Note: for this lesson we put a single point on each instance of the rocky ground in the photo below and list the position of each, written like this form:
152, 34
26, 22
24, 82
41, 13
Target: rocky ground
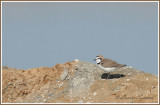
78, 82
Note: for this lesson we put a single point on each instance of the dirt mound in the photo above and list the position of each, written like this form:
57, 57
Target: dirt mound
18, 84
78, 82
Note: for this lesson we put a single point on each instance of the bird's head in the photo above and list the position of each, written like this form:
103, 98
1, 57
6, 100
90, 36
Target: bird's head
98, 59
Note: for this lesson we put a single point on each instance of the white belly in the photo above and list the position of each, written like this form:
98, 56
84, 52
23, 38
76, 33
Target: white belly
107, 69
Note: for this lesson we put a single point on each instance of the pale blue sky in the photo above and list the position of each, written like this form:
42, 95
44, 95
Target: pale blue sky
44, 34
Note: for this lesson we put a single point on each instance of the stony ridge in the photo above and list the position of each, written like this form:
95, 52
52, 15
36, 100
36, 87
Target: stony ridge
78, 82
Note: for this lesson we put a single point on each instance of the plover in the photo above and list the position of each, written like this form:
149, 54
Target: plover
107, 64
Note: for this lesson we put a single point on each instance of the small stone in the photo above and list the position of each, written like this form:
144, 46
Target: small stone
129, 73
75, 68
94, 93
153, 87
60, 84
76, 60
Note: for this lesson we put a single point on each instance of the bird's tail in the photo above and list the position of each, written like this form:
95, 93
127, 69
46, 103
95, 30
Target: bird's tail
122, 65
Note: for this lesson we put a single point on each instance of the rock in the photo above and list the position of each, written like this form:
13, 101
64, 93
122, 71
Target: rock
78, 82
76, 60
64, 74
5, 67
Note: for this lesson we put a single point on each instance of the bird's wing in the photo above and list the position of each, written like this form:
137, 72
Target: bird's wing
109, 63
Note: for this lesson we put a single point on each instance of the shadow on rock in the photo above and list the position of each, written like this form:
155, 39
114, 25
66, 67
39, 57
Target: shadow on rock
111, 76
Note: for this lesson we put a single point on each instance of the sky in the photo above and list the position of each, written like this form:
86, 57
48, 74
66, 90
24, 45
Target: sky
42, 34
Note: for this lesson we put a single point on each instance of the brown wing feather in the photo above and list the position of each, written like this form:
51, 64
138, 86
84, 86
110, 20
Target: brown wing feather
109, 63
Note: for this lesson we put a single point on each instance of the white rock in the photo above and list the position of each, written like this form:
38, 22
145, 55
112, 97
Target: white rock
76, 60
129, 73
60, 84
94, 93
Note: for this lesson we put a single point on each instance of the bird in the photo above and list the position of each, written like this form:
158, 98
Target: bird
107, 64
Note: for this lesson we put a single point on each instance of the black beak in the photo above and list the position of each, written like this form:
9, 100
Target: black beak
94, 59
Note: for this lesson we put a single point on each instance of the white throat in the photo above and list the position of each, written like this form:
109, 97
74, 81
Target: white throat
98, 60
